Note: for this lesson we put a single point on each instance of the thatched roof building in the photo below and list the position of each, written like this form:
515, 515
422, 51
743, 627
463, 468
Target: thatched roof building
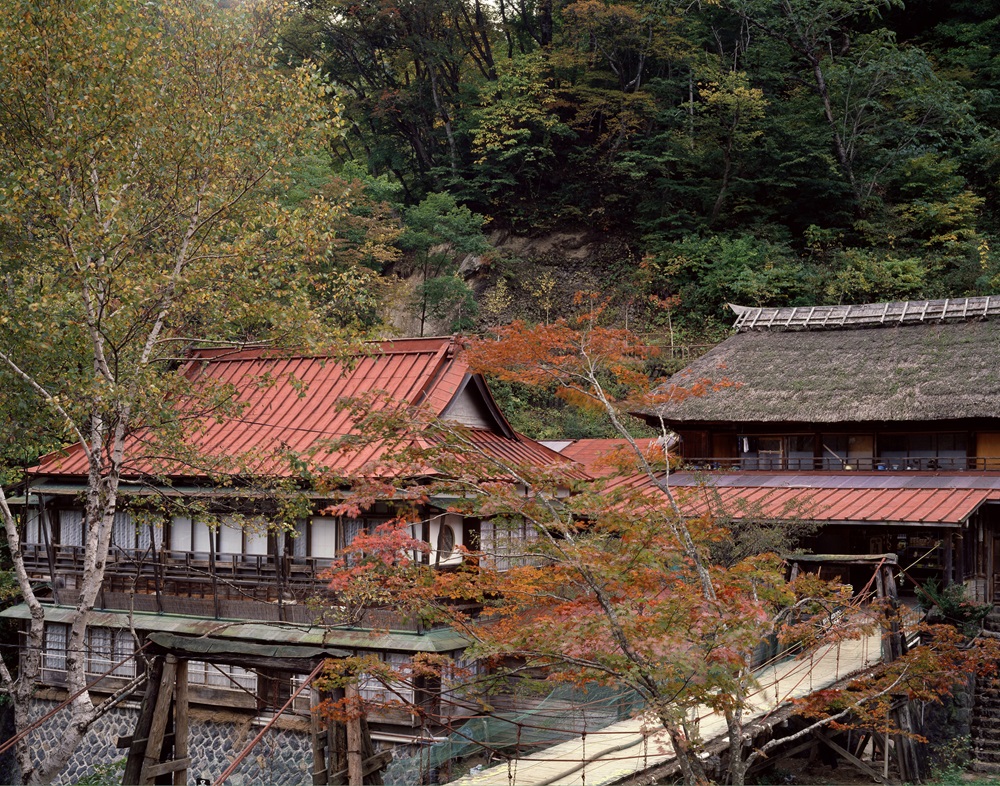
889, 362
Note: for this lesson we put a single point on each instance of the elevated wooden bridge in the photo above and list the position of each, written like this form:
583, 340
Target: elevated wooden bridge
639, 751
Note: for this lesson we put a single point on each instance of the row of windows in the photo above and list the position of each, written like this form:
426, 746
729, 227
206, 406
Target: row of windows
507, 541
860, 451
322, 537
112, 650
105, 648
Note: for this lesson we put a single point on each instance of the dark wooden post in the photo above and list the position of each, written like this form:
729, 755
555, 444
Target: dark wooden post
355, 776
320, 743
137, 748
948, 544
181, 722
161, 715
158, 566
896, 625
960, 568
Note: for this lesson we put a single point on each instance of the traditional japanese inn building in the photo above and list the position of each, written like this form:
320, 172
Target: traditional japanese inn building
881, 422
199, 553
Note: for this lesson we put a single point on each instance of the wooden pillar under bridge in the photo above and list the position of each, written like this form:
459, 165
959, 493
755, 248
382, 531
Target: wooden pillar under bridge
158, 756
137, 742
893, 639
354, 752
161, 716
329, 741
344, 753
158, 748
181, 722
948, 544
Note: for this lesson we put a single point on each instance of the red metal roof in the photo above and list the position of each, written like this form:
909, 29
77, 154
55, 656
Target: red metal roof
912, 506
289, 407
946, 505
601, 457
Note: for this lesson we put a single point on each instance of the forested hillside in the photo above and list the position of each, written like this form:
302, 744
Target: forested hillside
756, 151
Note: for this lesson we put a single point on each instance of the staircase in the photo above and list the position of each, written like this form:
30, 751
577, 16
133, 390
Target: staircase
986, 714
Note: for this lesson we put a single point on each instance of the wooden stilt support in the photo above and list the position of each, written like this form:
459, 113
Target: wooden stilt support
181, 722
161, 716
850, 757
355, 776
320, 746
137, 746
906, 750
373, 763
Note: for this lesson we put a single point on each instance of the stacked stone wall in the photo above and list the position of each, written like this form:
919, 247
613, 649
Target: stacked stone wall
284, 755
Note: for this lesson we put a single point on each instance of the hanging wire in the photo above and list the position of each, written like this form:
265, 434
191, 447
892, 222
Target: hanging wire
45, 718
246, 751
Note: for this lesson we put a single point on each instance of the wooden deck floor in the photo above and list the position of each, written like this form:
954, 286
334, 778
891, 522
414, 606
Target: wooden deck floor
627, 748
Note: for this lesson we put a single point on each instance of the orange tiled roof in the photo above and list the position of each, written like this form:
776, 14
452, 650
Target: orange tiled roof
289, 407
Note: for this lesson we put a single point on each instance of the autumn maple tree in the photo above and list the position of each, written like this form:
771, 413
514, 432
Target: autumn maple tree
607, 581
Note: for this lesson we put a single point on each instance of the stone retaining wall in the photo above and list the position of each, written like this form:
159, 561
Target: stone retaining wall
284, 755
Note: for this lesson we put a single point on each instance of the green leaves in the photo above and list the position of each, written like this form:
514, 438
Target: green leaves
143, 151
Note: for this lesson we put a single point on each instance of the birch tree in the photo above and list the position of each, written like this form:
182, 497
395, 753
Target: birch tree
143, 148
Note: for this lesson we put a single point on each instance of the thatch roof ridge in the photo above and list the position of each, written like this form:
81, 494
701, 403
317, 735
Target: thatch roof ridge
902, 312
922, 372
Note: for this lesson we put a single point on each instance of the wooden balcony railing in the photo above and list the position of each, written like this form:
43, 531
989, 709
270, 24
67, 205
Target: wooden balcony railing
231, 586
776, 463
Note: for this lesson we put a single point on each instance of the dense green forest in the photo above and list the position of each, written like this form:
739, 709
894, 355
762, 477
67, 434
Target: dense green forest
756, 151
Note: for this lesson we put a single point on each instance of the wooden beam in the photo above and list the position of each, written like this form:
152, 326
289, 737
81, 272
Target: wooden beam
133, 764
355, 776
850, 757
319, 744
181, 722
139, 743
368, 766
161, 715
165, 767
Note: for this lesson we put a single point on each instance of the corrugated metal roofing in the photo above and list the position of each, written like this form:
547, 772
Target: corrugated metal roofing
844, 480
218, 648
604, 457
291, 406
740, 496
437, 640
909, 506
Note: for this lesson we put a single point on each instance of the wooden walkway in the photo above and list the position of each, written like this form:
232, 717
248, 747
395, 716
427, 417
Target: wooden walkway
630, 747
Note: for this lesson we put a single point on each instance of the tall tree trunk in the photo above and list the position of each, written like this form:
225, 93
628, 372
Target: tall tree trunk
727, 169
846, 165
442, 111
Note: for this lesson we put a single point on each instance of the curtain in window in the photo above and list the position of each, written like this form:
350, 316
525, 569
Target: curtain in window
231, 535
100, 650
352, 528
180, 534
54, 652
324, 537
123, 531
71, 527
124, 647
300, 542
